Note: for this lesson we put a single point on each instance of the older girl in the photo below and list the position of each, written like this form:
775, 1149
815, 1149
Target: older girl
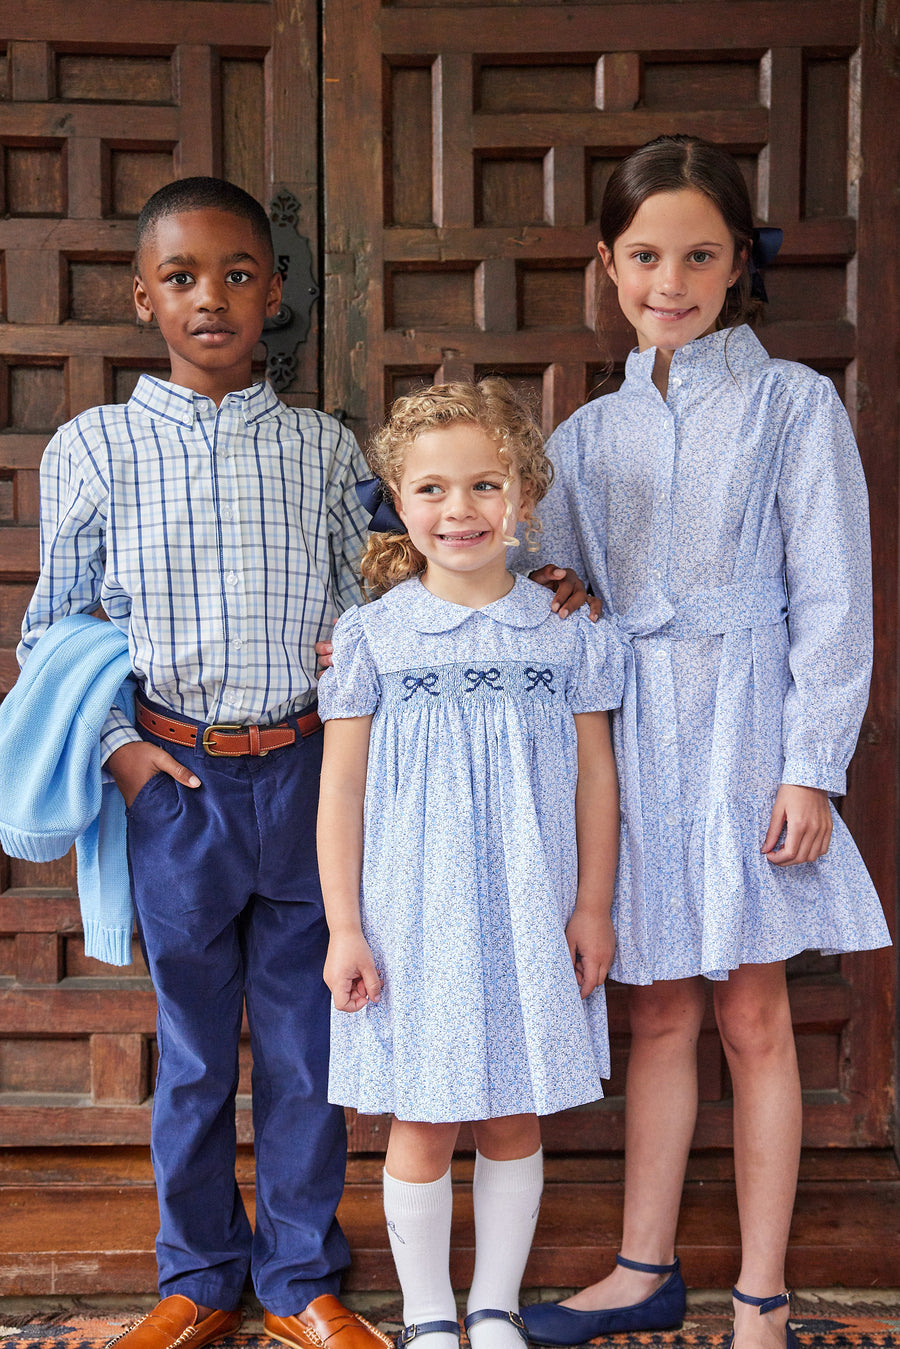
717, 505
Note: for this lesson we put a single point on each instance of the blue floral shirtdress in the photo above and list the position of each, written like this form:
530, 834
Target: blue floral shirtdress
470, 867
726, 529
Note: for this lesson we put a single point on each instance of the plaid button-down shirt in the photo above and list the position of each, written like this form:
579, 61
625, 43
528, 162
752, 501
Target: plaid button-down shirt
224, 541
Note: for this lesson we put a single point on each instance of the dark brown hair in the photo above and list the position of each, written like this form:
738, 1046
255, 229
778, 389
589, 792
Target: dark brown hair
670, 164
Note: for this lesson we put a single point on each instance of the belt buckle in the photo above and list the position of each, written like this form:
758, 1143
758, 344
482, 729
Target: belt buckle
214, 730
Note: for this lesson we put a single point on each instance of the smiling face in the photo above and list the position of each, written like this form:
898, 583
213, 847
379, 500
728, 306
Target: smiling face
207, 278
460, 502
672, 267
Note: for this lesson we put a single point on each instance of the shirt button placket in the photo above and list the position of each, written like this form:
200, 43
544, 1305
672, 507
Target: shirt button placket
229, 424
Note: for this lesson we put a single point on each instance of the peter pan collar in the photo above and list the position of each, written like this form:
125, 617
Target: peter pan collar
526, 606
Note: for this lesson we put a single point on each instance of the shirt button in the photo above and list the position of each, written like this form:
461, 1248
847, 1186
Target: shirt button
227, 513
677, 381
237, 643
231, 578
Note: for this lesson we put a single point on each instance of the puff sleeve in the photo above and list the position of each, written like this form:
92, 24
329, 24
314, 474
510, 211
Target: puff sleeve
599, 672
350, 687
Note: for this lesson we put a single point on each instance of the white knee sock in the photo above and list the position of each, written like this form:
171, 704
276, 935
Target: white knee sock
418, 1220
506, 1198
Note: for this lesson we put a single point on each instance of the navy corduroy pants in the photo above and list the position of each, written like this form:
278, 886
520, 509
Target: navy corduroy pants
230, 913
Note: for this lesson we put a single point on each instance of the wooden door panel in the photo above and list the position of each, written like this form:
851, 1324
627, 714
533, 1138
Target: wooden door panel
466, 151
100, 105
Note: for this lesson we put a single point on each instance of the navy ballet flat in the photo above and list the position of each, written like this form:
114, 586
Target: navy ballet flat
768, 1304
550, 1323
494, 1314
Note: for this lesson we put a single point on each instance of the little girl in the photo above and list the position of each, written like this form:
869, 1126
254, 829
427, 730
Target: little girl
717, 505
465, 730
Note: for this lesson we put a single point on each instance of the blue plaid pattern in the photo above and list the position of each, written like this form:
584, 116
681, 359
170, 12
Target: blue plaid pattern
224, 541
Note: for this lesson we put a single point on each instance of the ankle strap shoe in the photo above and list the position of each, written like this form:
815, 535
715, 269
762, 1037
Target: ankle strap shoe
409, 1333
494, 1314
768, 1304
552, 1324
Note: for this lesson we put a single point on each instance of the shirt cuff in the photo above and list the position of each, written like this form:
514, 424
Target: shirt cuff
117, 731
826, 777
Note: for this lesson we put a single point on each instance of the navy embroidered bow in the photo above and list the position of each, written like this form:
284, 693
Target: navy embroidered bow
426, 683
543, 677
475, 678
377, 500
766, 242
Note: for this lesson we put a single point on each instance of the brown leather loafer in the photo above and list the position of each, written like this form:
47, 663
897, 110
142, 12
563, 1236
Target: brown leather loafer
174, 1322
325, 1322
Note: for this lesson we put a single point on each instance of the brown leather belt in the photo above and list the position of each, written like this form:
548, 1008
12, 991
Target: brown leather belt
227, 739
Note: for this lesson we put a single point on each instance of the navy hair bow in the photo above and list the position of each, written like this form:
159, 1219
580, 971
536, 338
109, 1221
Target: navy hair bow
766, 242
377, 500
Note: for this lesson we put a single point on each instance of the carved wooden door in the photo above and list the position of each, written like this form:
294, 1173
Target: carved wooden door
466, 150
101, 104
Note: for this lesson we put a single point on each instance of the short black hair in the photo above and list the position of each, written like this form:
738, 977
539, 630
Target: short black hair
201, 194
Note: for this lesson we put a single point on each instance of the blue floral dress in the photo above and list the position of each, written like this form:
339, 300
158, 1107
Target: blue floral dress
470, 867
726, 529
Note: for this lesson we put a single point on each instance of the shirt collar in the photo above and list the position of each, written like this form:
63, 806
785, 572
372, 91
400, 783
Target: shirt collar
175, 403
728, 350
526, 606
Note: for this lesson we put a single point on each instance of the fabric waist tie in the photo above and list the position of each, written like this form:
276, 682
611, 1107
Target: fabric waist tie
756, 602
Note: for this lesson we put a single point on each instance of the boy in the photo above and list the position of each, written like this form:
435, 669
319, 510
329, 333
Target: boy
219, 530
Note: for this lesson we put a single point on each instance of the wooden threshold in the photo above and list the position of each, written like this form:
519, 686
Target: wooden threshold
79, 1221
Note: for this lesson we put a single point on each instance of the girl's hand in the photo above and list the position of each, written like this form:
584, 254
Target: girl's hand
350, 973
570, 591
805, 813
324, 652
592, 943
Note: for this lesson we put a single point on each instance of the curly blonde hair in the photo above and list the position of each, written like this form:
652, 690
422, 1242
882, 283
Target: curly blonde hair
492, 405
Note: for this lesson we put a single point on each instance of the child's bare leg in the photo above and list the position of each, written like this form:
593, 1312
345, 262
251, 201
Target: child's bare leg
506, 1196
660, 1113
419, 1152
754, 1019
418, 1208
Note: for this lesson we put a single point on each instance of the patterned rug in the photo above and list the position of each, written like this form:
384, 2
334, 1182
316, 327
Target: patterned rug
818, 1323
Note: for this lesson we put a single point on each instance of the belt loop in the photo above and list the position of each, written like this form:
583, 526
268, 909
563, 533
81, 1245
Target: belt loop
253, 732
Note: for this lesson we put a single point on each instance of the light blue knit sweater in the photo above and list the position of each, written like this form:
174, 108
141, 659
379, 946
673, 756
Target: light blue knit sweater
51, 789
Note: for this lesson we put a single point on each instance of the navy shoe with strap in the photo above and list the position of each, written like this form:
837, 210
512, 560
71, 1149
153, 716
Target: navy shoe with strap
494, 1314
409, 1333
768, 1304
550, 1323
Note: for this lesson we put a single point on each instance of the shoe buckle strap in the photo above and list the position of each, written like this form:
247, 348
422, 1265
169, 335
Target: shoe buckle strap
765, 1304
496, 1314
410, 1332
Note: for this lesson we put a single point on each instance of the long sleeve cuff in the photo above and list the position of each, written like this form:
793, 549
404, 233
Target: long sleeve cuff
117, 731
826, 777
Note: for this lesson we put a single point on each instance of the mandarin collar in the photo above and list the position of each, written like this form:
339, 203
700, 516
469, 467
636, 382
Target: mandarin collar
526, 606
175, 403
727, 350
